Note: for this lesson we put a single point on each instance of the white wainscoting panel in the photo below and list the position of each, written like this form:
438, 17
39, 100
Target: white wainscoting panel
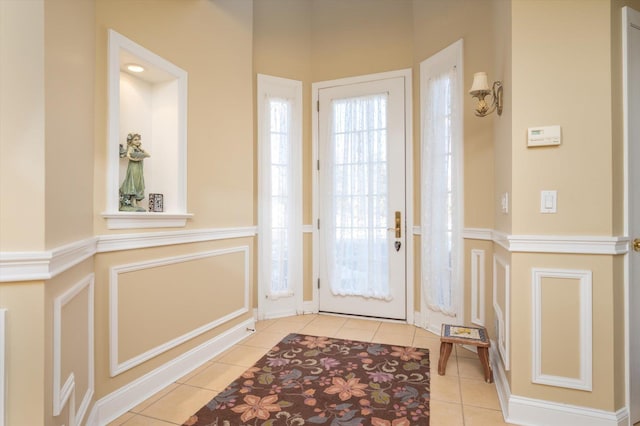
519, 410
584, 382
503, 318
477, 287
118, 402
117, 366
64, 393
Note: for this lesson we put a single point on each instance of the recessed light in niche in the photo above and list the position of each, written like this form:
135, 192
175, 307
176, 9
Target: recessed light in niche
135, 68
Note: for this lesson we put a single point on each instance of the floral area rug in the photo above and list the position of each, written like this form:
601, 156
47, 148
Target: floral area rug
308, 380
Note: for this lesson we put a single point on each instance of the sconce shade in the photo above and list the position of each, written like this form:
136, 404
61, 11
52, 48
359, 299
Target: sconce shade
480, 83
480, 89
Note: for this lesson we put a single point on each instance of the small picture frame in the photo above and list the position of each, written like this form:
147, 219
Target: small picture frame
156, 203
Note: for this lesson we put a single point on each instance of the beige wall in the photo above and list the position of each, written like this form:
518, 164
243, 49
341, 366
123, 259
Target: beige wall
548, 89
437, 24
212, 41
69, 56
546, 92
605, 384
222, 45
174, 287
22, 155
71, 293
24, 351
502, 125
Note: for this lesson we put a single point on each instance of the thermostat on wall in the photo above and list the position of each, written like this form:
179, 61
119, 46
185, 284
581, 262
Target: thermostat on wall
543, 136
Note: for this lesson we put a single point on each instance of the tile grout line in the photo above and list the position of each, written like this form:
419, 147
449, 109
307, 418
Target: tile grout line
460, 388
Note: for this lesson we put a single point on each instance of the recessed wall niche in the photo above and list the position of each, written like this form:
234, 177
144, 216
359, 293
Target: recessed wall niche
150, 101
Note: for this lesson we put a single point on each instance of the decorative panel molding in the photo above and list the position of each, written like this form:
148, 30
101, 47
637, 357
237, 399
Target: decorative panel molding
3, 380
113, 405
477, 287
116, 365
503, 318
584, 382
528, 411
64, 393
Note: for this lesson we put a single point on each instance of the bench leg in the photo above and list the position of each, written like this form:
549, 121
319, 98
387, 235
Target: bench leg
483, 354
445, 351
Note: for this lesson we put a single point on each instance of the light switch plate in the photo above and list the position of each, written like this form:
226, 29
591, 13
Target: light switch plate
548, 201
504, 202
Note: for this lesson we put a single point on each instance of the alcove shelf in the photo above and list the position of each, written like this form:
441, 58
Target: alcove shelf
152, 103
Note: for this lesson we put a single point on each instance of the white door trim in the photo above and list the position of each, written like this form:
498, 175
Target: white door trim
408, 225
630, 17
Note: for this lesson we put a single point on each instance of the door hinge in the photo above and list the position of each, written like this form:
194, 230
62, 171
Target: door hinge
318, 282
318, 164
318, 106
318, 223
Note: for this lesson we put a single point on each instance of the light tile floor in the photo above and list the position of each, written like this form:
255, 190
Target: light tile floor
460, 398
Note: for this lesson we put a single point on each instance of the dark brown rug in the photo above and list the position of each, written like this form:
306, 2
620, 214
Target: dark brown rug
309, 380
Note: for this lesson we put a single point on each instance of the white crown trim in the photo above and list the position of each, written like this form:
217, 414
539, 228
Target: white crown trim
584, 382
116, 366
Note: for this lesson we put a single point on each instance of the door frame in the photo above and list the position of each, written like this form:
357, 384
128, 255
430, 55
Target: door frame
629, 16
408, 219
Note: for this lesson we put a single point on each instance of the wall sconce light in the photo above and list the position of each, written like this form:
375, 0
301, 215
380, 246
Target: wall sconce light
480, 89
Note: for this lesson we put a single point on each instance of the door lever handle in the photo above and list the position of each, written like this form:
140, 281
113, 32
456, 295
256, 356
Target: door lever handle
636, 244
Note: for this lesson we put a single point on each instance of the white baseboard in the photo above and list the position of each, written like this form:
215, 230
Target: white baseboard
535, 412
309, 307
117, 403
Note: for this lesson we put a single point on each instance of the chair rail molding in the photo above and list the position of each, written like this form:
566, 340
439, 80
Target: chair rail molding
46, 264
528, 411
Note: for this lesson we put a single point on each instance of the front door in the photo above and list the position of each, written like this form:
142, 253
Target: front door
361, 187
632, 123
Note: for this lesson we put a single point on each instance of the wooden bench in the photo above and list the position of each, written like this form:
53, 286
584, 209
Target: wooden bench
473, 336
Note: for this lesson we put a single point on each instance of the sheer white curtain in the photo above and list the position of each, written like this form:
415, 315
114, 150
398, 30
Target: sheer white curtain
354, 199
440, 182
280, 209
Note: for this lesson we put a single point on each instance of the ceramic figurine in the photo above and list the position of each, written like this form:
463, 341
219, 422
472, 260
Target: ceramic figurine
132, 188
